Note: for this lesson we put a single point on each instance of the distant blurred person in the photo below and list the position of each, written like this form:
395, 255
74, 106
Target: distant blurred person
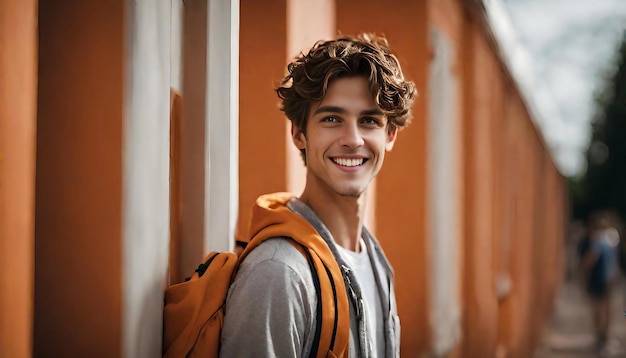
599, 268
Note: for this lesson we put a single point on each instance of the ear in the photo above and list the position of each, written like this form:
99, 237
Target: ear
391, 139
298, 137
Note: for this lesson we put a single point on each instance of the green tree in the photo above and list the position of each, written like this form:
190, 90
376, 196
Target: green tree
603, 187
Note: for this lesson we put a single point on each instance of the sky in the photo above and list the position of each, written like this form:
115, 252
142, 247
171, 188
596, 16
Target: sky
571, 46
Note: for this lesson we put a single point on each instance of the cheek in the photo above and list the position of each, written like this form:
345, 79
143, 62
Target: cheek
380, 144
320, 144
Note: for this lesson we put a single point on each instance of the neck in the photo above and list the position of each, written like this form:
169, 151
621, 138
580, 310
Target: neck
342, 215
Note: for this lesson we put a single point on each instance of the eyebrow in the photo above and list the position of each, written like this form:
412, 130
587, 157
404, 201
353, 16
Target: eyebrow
335, 109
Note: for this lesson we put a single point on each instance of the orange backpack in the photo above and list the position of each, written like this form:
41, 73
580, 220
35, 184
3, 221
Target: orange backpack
194, 310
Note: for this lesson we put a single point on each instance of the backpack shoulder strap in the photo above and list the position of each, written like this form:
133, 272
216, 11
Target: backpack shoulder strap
333, 311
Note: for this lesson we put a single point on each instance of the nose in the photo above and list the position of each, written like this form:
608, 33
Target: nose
351, 136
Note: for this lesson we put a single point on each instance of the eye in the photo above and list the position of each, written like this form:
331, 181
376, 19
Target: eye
330, 119
371, 121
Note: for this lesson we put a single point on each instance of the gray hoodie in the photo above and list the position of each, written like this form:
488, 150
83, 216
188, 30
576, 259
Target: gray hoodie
275, 300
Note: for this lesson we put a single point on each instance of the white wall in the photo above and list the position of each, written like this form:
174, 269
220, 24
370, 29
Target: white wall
222, 115
153, 64
145, 176
176, 43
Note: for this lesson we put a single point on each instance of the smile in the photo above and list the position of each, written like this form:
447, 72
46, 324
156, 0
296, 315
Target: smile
349, 162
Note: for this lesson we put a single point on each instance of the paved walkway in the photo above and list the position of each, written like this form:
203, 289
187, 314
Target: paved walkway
569, 333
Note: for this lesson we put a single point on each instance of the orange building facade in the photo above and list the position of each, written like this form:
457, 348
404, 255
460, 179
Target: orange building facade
124, 160
469, 206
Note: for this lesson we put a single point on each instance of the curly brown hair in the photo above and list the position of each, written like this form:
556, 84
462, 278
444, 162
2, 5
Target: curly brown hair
366, 55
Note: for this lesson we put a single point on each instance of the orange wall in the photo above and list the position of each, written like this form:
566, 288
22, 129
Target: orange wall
501, 208
480, 301
78, 269
523, 156
263, 49
400, 189
511, 202
492, 205
271, 35
18, 89
535, 230
307, 23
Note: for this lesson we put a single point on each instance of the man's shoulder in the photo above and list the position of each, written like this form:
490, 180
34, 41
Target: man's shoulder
270, 307
276, 254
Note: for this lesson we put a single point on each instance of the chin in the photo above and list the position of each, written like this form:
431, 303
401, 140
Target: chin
350, 192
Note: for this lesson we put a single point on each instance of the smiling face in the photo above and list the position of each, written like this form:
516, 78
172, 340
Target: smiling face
346, 139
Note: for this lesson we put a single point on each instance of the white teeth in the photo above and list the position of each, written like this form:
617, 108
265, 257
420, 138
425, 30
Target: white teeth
348, 162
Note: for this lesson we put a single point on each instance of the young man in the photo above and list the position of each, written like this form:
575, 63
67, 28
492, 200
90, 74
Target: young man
346, 99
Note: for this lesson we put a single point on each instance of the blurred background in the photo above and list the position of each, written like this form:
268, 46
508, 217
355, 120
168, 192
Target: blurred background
136, 135
578, 50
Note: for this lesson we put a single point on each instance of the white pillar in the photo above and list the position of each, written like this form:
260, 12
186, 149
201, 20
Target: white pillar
176, 44
222, 183
145, 210
443, 197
